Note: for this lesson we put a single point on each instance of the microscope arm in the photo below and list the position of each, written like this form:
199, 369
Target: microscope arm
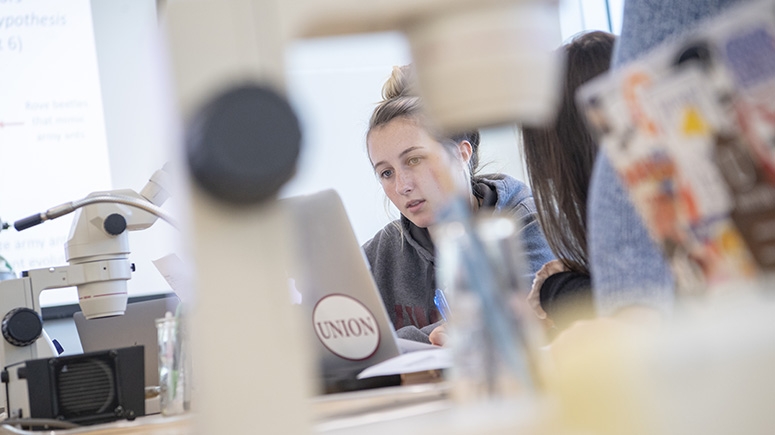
150, 199
69, 207
75, 275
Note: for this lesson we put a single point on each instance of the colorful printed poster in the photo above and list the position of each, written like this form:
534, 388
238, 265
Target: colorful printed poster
690, 128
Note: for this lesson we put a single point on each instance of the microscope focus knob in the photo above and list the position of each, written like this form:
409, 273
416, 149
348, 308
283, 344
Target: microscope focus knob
114, 224
22, 326
243, 145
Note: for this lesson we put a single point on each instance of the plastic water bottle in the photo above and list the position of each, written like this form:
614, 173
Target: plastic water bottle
479, 266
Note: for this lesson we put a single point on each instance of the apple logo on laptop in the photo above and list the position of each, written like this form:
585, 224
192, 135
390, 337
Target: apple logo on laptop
346, 327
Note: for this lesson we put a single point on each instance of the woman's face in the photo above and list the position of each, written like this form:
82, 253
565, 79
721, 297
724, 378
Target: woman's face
417, 173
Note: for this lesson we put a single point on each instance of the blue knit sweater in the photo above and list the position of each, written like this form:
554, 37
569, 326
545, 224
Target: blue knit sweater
627, 266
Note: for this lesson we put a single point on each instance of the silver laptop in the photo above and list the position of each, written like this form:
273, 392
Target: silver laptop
348, 325
136, 327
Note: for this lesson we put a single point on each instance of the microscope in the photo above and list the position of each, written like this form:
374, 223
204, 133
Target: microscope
97, 251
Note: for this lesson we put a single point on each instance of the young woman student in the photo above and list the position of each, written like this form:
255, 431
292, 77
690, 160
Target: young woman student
413, 165
559, 161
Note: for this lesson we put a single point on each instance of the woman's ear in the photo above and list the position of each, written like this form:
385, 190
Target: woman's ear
466, 150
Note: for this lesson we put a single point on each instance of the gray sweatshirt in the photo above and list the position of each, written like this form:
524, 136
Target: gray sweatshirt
404, 269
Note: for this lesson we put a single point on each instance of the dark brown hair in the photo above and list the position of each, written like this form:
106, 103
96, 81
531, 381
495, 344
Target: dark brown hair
560, 157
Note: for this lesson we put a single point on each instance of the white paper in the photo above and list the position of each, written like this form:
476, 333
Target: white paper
176, 273
419, 361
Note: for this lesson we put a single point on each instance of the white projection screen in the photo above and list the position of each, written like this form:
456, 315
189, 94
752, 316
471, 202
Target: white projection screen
81, 110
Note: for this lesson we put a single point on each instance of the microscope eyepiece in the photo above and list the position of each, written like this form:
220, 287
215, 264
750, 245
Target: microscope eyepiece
28, 222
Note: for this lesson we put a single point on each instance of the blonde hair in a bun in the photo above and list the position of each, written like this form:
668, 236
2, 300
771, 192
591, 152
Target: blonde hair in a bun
401, 99
400, 83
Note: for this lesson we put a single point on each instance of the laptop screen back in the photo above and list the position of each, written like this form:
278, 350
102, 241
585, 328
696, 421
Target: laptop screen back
136, 327
346, 319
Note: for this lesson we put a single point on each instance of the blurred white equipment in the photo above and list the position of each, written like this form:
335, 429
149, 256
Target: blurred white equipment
97, 250
479, 62
228, 74
496, 67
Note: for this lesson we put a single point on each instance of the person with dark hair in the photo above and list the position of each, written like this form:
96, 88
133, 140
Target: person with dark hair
420, 171
559, 161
